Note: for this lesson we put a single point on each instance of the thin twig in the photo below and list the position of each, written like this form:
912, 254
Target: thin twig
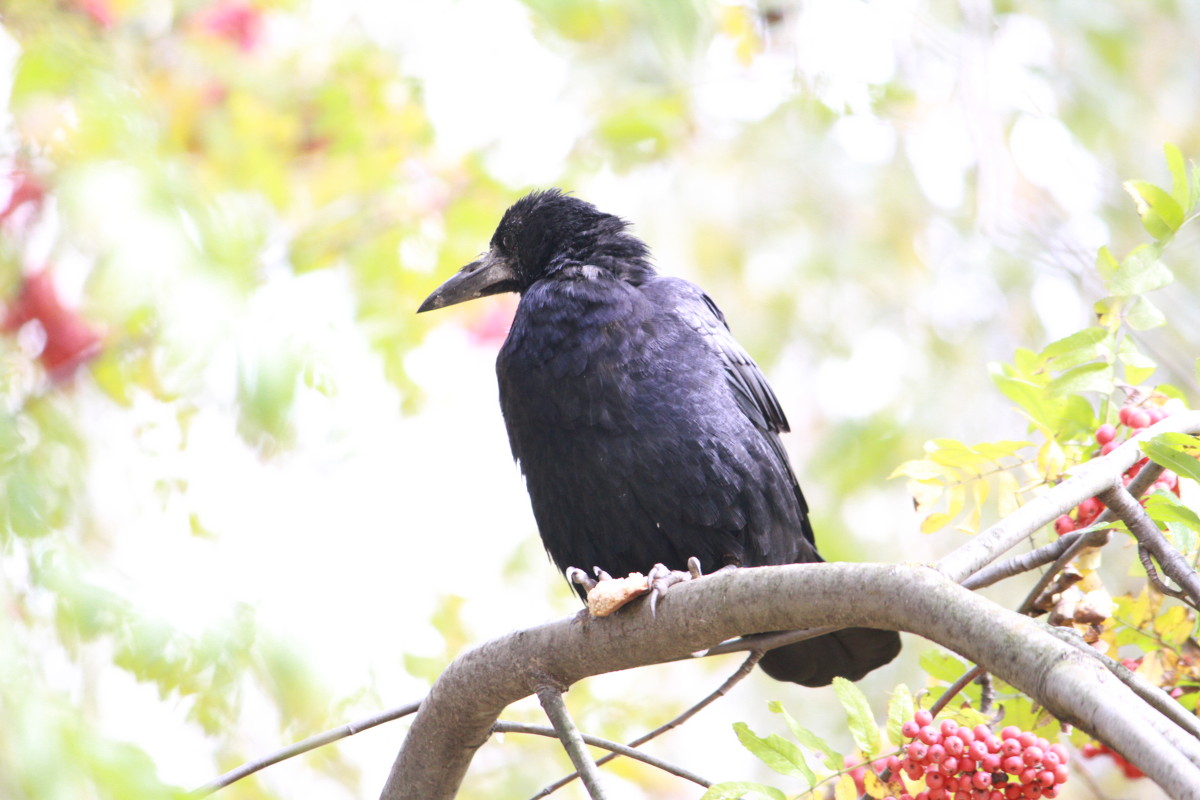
1075, 548
552, 702
1033, 559
605, 744
311, 743
987, 693
955, 688
768, 641
1152, 574
1173, 564
733, 680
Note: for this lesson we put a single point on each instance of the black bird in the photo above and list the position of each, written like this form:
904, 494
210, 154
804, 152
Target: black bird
646, 433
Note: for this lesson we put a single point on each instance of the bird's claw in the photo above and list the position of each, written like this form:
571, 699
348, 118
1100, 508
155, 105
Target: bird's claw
662, 578
576, 575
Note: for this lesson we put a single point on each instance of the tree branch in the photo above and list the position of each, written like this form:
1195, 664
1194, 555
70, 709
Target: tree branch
551, 698
722, 690
616, 748
457, 716
1089, 480
1150, 538
311, 743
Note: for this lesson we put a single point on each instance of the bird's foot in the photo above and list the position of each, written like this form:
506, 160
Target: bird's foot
606, 594
662, 578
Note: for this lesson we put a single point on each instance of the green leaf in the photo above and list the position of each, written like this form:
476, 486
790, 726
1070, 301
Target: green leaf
942, 665
1161, 214
1165, 507
776, 752
1181, 188
1095, 376
862, 721
1168, 449
1138, 367
1075, 349
832, 758
1106, 264
734, 790
1140, 272
1142, 315
900, 709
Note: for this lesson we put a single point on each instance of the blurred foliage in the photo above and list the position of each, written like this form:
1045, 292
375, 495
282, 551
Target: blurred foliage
870, 190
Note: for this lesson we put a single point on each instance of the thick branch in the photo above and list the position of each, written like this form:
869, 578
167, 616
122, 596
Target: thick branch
457, 716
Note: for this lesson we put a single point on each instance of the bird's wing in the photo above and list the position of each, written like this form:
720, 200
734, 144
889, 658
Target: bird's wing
753, 393
751, 390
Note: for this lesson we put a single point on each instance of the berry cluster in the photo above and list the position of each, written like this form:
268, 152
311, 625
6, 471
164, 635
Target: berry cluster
1134, 417
962, 763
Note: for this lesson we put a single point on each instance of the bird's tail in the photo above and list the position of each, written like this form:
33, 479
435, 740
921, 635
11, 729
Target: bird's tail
849, 653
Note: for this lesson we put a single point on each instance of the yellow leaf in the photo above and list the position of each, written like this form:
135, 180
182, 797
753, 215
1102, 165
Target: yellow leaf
926, 493
1008, 497
920, 469
935, 522
1051, 459
844, 788
1174, 625
875, 787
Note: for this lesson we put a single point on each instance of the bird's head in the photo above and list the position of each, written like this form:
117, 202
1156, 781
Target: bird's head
540, 234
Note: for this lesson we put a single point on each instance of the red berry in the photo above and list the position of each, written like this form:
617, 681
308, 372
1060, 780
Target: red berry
1010, 746
949, 765
1107, 448
978, 750
1124, 413
1012, 764
949, 727
954, 745
1157, 413
1060, 773
1027, 738
1032, 755
893, 763
910, 729
935, 780
1046, 777
1105, 434
917, 751
1050, 758
990, 763
1139, 418
1049, 791
936, 753
1064, 755
923, 717
929, 735
966, 734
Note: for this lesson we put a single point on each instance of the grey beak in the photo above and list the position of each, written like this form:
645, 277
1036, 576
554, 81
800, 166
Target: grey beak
489, 274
